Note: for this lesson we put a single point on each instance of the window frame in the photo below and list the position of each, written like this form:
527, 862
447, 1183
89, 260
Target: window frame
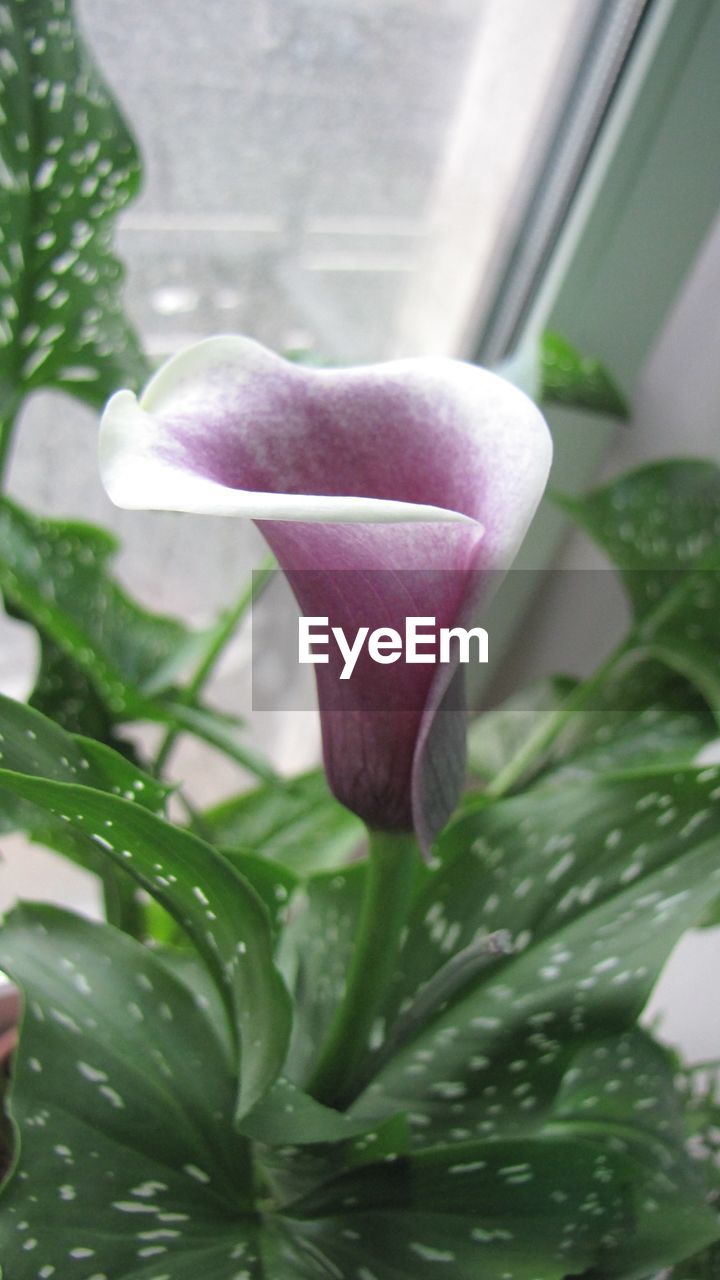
631, 218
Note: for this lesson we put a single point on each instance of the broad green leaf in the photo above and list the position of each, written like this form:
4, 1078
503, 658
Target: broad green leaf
567, 378
661, 526
320, 1143
470, 1210
642, 715
32, 744
701, 1087
622, 1092
129, 1161
594, 881
197, 886
297, 822
273, 883
645, 717
287, 1116
314, 955
703, 1266
652, 522
605, 1186
104, 658
65, 694
67, 166
551, 371
55, 573
601, 1184
123, 1096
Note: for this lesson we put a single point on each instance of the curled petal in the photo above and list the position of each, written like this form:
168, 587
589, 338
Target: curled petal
385, 491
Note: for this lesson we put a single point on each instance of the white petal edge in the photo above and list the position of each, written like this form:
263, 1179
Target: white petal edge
136, 477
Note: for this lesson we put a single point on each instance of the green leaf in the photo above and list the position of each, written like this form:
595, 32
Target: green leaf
476, 1209
68, 165
128, 1158
704, 1266
646, 718
273, 883
495, 736
314, 955
701, 1087
197, 886
596, 1180
104, 658
605, 1186
661, 526
652, 522
65, 694
567, 378
642, 717
298, 823
32, 744
123, 1097
622, 1092
55, 573
594, 881
287, 1116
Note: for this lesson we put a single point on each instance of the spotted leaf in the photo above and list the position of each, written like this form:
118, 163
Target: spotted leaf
32, 744
129, 1166
661, 526
593, 882
123, 1099
477, 1209
104, 658
314, 955
55, 573
197, 886
645, 717
604, 1188
68, 165
576, 381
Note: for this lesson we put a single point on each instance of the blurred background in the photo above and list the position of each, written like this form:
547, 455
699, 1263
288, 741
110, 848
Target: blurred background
364, 179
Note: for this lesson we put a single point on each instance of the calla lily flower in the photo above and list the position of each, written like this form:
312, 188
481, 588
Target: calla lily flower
387, 491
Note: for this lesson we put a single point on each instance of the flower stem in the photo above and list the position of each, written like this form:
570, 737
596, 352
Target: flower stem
223, 633
550, 727
393, 864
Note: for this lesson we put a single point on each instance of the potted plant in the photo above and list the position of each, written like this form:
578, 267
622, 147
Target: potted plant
384, 1021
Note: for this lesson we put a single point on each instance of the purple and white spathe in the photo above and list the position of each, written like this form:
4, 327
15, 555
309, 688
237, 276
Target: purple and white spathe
426, 465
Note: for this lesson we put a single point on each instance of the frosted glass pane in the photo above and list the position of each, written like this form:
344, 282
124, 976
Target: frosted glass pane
325, 173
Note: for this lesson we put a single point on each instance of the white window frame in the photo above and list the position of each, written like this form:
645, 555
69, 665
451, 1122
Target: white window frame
640, 215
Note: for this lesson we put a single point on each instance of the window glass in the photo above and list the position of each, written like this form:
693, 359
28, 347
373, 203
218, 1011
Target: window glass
330, 174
